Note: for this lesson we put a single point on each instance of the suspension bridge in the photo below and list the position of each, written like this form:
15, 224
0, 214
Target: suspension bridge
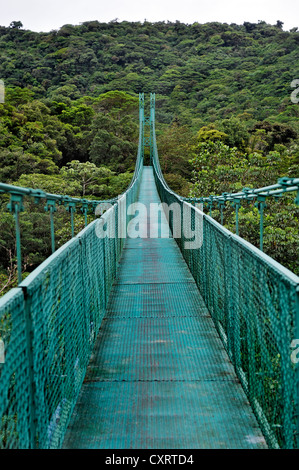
145, 332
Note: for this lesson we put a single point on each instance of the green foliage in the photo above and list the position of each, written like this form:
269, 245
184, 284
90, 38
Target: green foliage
218, 168
55, 184
216, 70
114, 141
174, 149
119, 183
224, 116
236, 132
15, 163
118, 103
209, 133
90, 177
177, 183
39, 139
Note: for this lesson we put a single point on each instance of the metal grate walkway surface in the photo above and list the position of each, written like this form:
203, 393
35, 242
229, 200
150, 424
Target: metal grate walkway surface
159, 376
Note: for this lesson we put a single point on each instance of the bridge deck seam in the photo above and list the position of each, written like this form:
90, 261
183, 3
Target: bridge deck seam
91, 381
133, 283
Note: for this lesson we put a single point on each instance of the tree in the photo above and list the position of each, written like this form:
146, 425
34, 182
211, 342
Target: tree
273, 134
174, 146
15, 163
80, 115
55, 184
18, 95
118, 103
114, 141
217, 168
87, 175
235, 131
16, 25
210, 134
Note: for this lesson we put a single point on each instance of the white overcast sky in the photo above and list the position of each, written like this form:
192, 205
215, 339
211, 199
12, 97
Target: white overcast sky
46, 15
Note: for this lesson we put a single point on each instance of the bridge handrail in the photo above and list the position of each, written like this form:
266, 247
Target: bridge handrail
283, 185
40, 194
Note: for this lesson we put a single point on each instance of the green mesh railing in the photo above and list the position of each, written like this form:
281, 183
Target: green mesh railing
254, 302
15, 380
48, 326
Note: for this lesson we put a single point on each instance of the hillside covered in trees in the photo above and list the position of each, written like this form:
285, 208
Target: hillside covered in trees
225, 118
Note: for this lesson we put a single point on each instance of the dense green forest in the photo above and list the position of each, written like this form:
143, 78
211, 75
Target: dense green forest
225, 119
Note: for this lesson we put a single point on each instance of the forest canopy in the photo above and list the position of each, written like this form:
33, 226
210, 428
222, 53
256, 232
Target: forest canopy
224, 118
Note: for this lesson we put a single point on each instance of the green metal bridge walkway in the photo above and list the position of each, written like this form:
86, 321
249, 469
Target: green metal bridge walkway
153, 327
159, 376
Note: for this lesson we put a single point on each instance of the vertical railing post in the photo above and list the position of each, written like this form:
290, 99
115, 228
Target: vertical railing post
237, 206
50, 206
210, 204
221, 206
52, 210
94, 207
261, 204
72, 220
15, 206
236, 203
18, 242
72, 209
141, 122
84, 210
152, 125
